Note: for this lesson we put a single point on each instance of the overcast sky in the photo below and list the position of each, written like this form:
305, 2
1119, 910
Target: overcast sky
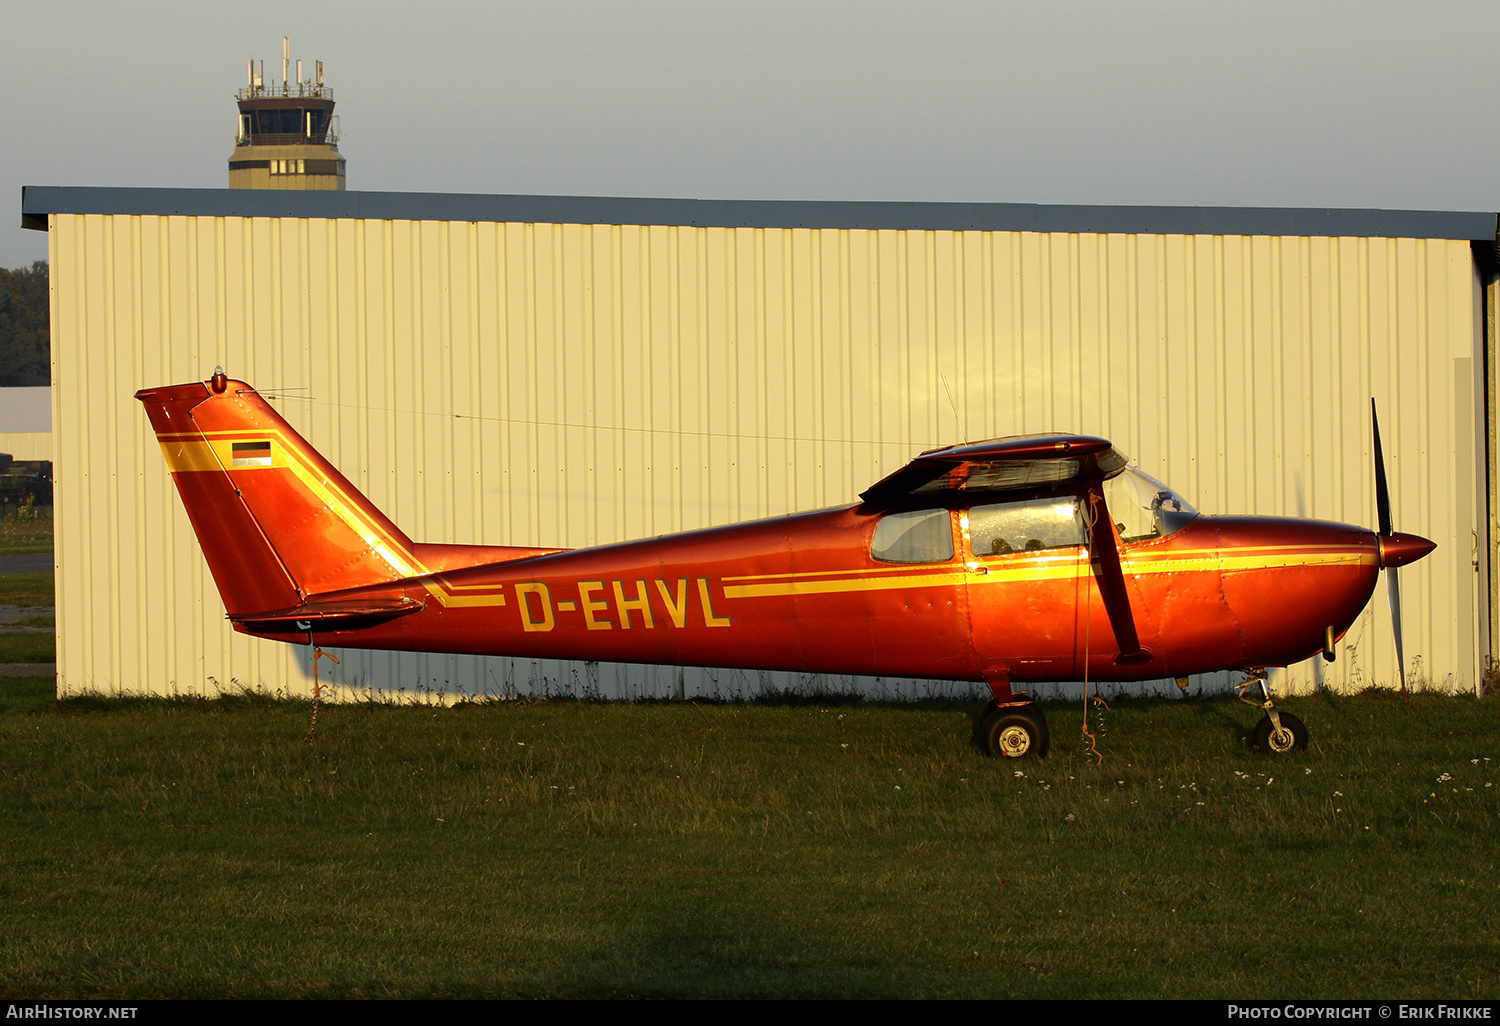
1261, 104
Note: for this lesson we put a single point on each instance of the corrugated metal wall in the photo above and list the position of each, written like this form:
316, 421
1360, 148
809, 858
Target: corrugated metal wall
569, 385
27, 445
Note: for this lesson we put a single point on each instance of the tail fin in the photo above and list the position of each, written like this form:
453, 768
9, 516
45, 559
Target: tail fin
276, 521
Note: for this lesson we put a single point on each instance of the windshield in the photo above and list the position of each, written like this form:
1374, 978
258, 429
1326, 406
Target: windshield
1143, 507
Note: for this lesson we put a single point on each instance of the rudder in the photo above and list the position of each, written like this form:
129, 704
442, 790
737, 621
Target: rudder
276, 521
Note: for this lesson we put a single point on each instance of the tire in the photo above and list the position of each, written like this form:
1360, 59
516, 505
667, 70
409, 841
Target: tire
1014, 732
1291, 737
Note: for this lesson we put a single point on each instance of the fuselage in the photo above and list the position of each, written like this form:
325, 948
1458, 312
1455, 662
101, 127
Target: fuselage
1032, 558
807, 593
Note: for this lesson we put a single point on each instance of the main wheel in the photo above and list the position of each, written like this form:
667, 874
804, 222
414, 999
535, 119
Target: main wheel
1291, 736
1014, 732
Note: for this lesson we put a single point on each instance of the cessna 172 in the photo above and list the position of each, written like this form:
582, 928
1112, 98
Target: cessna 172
1040, 558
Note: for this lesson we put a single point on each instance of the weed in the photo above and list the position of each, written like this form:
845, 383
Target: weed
1489, 680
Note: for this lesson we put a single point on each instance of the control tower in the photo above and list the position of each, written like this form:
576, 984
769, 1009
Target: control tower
287, 138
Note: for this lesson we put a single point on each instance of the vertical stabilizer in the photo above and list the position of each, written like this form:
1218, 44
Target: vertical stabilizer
276, 521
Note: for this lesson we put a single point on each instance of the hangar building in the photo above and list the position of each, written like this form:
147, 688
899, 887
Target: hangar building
555, 371
26, 422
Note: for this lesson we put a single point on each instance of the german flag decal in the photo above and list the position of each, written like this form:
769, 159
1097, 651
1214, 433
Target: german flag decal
252, 454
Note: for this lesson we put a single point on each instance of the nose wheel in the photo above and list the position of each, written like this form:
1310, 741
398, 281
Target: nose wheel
1287, 736
1278, 732
1014, 732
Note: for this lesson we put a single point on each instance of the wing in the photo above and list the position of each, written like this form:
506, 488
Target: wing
1001, 466
1018, 466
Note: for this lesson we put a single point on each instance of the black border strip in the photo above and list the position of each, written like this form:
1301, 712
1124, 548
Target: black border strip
39, 201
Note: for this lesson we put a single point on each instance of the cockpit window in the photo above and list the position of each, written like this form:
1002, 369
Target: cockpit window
1143, 507
1004, 527
922, 536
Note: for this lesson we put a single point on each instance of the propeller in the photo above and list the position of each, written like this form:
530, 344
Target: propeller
1394, 549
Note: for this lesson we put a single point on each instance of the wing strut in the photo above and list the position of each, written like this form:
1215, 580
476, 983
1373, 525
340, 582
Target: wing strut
1105, 556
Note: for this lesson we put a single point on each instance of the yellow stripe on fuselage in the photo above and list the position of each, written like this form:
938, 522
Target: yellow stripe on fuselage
1250, 561
447, 594
1038, 568
827, 587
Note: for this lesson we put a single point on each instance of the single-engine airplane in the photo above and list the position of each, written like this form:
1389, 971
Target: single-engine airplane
1037, 558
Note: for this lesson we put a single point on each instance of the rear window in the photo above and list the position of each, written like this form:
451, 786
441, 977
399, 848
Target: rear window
923, 536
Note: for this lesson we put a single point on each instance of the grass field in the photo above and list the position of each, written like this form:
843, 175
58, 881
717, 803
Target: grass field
31, 646
28, 534
28, 647
26, 589
203, 848
46, 620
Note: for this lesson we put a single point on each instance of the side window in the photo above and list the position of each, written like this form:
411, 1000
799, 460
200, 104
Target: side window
1005, 527
924, 536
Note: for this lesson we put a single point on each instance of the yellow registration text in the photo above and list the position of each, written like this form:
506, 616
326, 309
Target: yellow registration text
618, 604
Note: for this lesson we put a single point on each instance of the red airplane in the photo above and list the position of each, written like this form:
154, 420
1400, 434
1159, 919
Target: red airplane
1038, 558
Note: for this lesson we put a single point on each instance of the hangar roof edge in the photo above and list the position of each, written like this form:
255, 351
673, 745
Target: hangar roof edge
39, 201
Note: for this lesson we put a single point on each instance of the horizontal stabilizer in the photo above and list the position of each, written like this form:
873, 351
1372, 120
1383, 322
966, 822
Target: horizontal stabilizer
326, 616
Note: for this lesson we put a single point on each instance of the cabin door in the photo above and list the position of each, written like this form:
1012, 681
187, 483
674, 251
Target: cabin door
1026, 567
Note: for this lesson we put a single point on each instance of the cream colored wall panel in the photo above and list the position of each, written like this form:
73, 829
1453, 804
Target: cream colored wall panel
27, 445
572, 385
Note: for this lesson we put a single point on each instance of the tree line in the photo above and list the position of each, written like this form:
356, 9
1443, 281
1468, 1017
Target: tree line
25, 326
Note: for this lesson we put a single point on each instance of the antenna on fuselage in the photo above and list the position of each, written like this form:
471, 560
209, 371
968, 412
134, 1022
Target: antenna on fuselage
958, 422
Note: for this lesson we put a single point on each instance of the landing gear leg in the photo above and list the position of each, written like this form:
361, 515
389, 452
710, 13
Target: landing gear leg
1278, 731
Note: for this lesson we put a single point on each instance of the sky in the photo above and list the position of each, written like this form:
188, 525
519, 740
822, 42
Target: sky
1297, 104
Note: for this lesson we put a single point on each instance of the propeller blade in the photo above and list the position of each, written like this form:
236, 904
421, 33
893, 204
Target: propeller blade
1395, 549
1393, 591
1382, 493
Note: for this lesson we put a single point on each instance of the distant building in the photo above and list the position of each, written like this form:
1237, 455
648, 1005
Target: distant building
26, 422
287, 138
25, 447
